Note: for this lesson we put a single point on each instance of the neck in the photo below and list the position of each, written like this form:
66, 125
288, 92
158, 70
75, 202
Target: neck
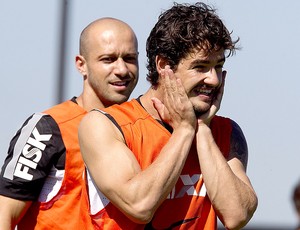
148, 104
88, 104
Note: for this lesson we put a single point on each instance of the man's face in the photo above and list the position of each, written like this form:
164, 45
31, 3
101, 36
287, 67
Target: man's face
112, 66
201, 76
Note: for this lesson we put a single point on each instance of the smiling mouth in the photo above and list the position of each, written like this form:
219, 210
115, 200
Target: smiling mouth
121, 83
204, 91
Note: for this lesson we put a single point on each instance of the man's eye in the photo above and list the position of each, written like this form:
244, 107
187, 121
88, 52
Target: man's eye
199, 67
130, 59
108, 59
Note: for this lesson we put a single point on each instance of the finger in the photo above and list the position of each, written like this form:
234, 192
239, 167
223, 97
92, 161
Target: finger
216, 103
170, 87
181, 89
224, 73
222, 87
161, 109
176, 90
170, 81
158, 105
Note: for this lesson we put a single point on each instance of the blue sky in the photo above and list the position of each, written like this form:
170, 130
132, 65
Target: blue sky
261, 91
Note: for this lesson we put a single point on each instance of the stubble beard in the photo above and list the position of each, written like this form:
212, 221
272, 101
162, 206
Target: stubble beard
200, 110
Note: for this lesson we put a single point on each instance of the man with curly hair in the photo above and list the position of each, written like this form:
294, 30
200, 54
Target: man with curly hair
165, 160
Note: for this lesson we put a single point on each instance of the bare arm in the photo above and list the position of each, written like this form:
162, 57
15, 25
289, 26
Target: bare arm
115, 169
227, 184
11, 212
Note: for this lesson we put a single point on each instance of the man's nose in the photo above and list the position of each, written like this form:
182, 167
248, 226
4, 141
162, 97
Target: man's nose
121, 67
212, 77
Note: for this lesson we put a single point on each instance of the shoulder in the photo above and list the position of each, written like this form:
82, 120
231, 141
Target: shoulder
39, 131
94, 122
30, 157
127, 110
98, 126
41, 121
238, 144
227, 123
66, 111
237, 134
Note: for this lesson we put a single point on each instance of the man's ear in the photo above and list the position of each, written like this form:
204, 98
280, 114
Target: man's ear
80, 63
160, 63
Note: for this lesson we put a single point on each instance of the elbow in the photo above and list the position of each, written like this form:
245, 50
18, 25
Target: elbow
141, 213
236, 223
240, 218
141, 218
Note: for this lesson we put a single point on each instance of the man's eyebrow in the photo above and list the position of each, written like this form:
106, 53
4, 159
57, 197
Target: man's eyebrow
132, 54
113, 54
206, 62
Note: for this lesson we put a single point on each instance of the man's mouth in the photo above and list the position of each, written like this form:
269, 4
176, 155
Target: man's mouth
121, 83
204, 91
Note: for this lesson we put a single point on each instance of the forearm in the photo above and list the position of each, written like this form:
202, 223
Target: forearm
5, 221
11, 212
229, 190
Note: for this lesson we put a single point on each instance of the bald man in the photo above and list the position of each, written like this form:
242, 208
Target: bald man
41, 178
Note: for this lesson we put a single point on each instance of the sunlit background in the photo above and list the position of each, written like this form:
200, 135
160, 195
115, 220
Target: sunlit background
261, 88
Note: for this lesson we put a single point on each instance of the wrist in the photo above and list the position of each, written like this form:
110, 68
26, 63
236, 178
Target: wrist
203, 128
186, 130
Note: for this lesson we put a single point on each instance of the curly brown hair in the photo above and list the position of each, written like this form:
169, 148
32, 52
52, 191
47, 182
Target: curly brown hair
181, 29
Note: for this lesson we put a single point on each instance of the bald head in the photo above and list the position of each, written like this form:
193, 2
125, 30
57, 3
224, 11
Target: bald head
103, 27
